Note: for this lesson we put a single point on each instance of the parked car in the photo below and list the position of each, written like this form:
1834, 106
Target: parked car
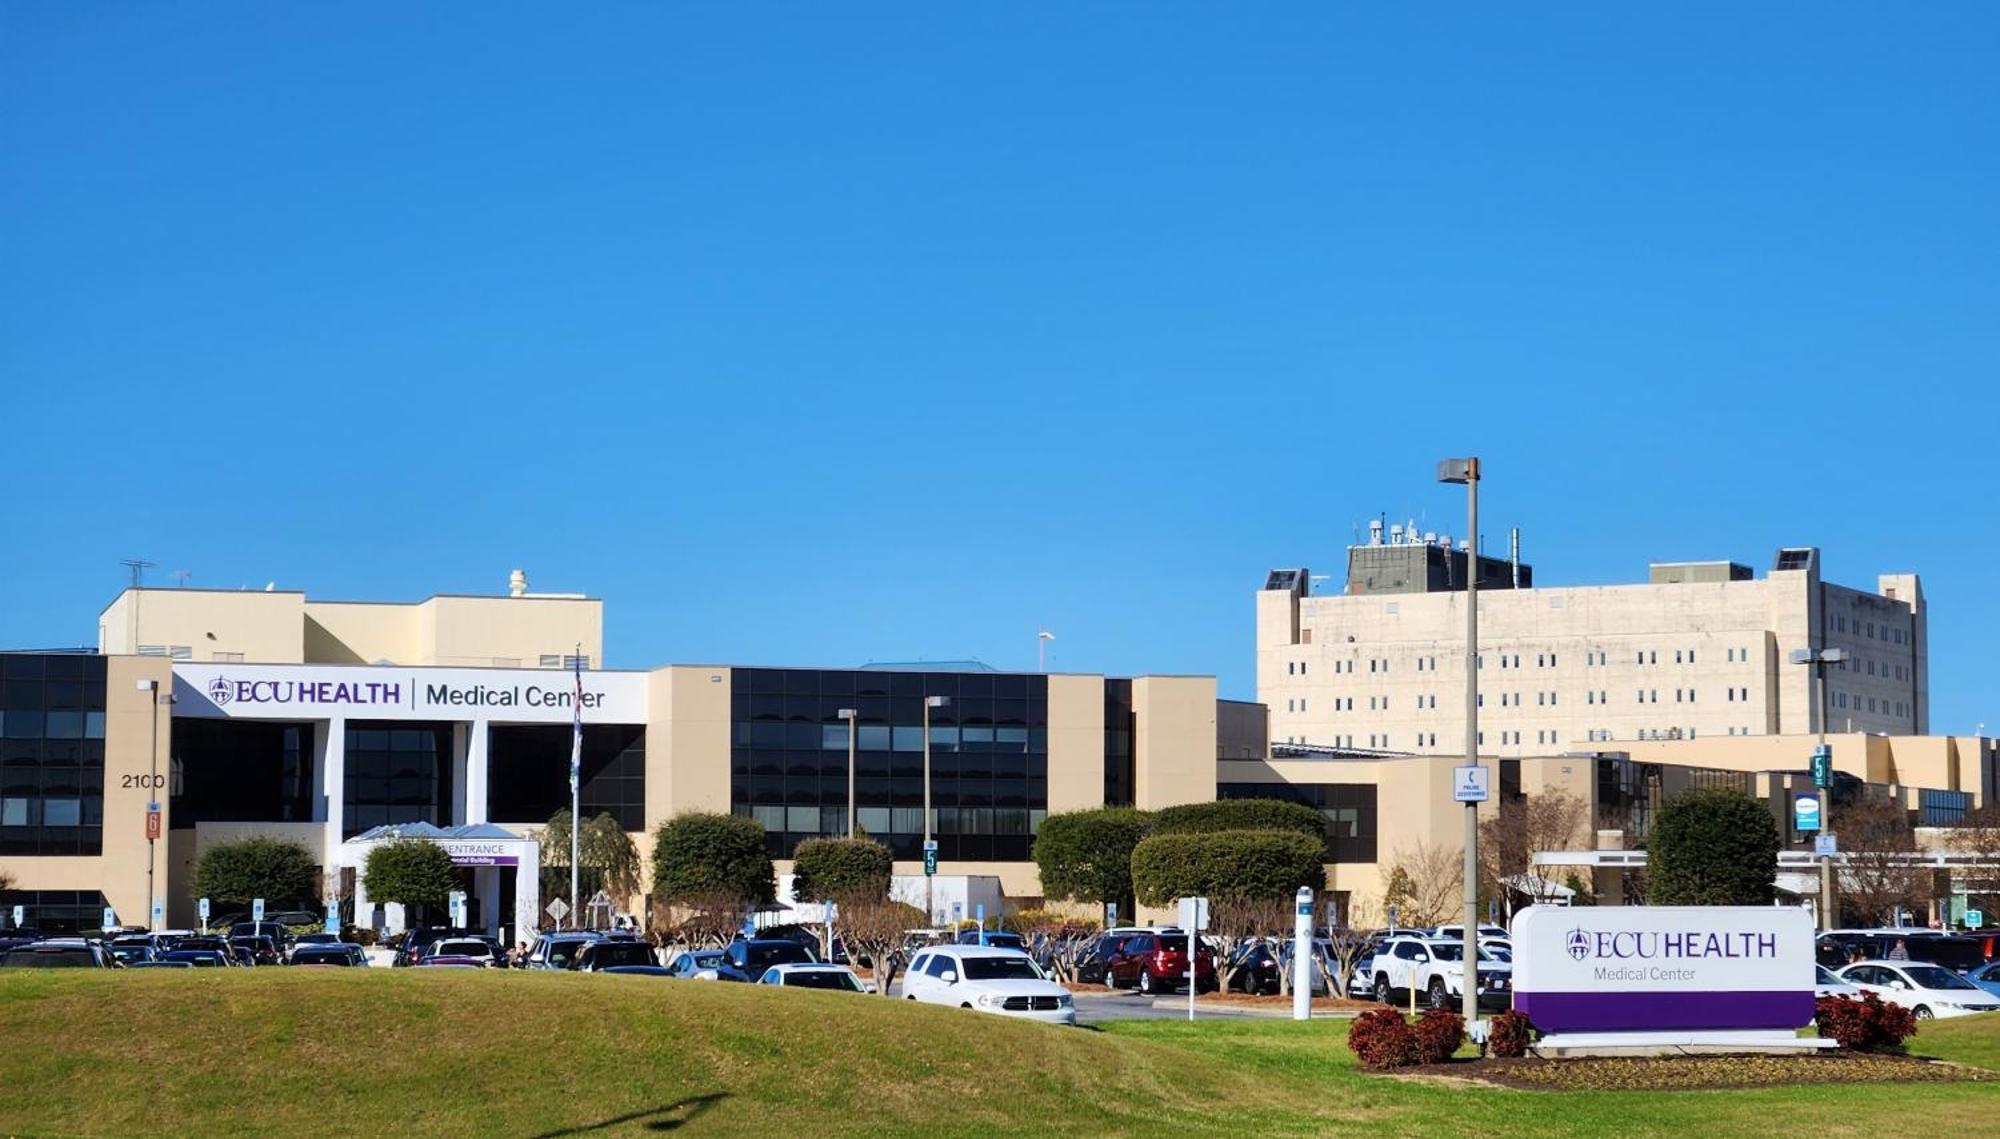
281, 937
476, 948
555, 950
1002, 981
197, 958
1096, 955
58, 953
639, 970
338, 954
131, 950
1838, 948
1986, 978
305, 939
836, 977
747, 960
1158, 963
1925, 989
1487, 933
452, 961
1253, 968
415, 941
1828, 984
1405, 965
263, 948
698, 965
601, 955
160, 965
999, 938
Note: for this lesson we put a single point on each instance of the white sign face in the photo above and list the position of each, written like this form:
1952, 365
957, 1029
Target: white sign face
1194, 913
386, 692
1468, 784
558, 909
1649, 968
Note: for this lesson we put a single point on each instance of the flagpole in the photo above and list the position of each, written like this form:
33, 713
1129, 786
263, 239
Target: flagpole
575, 777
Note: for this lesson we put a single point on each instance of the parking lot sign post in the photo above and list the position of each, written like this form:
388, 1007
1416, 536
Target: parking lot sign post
159, 917
930, 858
1302, 930
20, 916
1194, 919
201, 908
559, 909
1973, 918
110, 917
256, 909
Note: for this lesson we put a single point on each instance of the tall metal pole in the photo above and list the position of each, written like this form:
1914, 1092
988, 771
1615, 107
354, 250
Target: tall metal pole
1825, 819
153, 790
576, 781
930, 895
1470, 965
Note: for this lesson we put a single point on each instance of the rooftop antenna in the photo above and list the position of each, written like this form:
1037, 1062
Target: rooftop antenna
1042, 639
138, 569
181, 578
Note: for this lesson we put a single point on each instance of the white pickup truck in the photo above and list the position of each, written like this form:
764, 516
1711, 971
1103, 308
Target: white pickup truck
1435, 968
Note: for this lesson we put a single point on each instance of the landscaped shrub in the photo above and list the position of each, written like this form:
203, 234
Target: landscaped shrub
1866, 1025
1439, 1032
1382, 1039
1509, 1034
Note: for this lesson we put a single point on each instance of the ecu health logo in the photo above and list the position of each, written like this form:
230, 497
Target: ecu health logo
1578, 944
221, 690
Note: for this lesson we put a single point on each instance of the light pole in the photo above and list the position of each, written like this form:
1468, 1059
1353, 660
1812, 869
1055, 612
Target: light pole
850, 715
1819, 659
151, 688
1467, 471
930, 898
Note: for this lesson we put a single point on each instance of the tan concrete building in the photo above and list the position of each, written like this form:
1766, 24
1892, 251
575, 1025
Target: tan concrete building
519, 630
1699, 650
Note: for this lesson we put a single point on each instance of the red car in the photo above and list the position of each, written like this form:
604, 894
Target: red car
1158, 963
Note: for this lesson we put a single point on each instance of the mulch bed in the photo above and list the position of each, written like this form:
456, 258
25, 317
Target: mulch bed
1319, 1004
1696, 1073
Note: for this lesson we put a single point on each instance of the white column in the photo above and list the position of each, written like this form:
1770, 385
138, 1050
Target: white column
364, 910
475, 772
332, 749
528, 892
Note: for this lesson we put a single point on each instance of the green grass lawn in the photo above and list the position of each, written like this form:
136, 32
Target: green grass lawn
281, 1051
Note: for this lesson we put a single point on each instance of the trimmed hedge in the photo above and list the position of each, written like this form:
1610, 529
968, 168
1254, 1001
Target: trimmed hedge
1086, 856
1866, 1025
704, 854
1240, 815
834, 869
1712, 847
1439, 1033
1509, 1034
1230, 865
1382, 1039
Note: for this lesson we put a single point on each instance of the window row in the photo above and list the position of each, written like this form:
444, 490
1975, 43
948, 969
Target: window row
886, 737
34, 724
1892, 634
873, 682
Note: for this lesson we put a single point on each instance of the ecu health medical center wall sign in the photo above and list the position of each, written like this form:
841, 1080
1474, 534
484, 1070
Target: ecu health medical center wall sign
1688, 975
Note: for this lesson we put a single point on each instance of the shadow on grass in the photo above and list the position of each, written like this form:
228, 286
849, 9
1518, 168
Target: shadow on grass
666, 1117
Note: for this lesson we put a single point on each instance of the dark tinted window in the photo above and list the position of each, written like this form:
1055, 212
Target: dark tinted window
396, 772
77, 958
816, 979
241, 771
528, 772
605, 954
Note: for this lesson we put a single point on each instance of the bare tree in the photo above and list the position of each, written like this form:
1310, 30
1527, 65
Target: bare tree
1426, 883
1236, 922
1979, 835
1347, 941
701, 922
873, 929
1551, 820
1874, 831
1055, 939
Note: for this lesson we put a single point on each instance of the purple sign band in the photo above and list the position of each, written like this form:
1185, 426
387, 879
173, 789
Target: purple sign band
1640, 1012
484, 860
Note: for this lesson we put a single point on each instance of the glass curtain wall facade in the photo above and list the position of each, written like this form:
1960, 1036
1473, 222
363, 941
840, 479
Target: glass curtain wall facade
528, 773
51, 754
1120, 777
989, 758
1349, 809
396, 772
246, 771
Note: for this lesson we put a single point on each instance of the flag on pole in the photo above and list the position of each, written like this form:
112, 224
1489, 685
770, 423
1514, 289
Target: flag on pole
576, 728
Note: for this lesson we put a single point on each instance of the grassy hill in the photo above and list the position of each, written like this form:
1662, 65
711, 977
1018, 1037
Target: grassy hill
411, 1053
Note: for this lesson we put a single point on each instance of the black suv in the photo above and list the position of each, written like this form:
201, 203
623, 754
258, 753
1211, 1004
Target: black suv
600, 955
66, 953
418, 940
747, 960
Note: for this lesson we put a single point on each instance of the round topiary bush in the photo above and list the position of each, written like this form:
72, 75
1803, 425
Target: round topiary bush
1509, 1034
1439, 1033
1382, 1039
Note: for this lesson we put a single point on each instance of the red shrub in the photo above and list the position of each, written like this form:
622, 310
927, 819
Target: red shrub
1439, 1032
1867, 1025
1382, 1039
1509, 1034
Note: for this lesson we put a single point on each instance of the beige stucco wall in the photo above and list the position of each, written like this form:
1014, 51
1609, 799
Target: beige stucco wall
687, 741
483, 631
1076, 743
1173, 741
360, 632
262, 626
1952, 763
1387, 670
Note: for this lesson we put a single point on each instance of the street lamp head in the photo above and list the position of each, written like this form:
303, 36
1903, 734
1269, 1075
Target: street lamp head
847, 713
1833, 656
1459, 470
1802, 656
936, 701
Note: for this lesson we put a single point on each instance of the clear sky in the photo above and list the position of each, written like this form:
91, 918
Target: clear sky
819, 334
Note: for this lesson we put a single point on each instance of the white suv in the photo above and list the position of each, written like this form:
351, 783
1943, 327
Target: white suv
1003, 981
1435, 968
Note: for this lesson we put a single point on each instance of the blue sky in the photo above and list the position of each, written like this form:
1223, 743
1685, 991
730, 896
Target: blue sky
822, 334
